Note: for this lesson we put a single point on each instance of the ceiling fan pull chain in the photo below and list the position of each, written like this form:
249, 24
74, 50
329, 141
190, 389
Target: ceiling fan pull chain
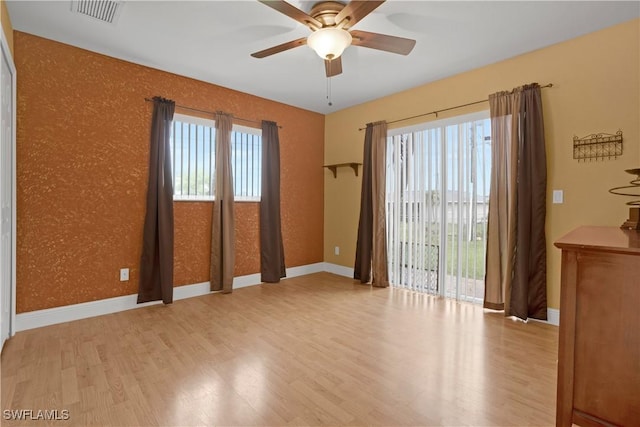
329, 91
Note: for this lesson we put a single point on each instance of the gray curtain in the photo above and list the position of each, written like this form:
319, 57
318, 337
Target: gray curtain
223, 225
371, 246
272, 266
156, 263
516, 246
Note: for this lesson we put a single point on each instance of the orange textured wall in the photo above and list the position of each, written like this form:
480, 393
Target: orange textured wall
82, 164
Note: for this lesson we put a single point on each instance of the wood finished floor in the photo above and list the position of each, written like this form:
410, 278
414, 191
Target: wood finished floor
312, 350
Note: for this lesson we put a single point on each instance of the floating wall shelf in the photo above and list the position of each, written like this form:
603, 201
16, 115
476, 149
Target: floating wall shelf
334, 168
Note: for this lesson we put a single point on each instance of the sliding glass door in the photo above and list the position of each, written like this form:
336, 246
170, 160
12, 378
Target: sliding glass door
437, 197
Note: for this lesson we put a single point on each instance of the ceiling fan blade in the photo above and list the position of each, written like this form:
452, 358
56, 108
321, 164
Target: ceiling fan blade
384, 42
280, 48
333, 67
356, 10
292, 12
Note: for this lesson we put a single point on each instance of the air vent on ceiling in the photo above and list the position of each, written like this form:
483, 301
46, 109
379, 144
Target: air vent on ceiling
102, 10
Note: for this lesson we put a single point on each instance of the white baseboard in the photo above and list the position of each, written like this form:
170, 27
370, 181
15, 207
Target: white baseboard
340, 270
188, 291
68, 313
244, 281
553, 316
302, 270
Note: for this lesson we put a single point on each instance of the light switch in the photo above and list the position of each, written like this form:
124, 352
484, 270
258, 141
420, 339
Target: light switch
558, 196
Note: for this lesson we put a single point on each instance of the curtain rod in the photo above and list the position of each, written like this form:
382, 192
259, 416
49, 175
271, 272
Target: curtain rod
446, 109
213, 113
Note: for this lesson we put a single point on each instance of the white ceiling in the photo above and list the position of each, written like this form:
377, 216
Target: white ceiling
212, 41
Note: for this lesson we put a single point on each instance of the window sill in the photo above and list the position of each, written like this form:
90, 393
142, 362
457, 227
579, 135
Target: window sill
201, 200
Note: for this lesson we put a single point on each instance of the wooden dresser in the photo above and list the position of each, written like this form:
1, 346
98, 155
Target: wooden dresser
599, 342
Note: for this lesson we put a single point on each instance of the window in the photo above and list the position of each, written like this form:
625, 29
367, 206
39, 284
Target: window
246, 163
193, 160
438, 176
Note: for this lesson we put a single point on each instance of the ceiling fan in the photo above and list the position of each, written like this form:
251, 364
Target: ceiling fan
329, 22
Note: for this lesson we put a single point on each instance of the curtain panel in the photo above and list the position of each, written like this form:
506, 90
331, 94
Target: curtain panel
272, 267
529, 287
371, 247
516, 245
223, 225
502, 201
156, 263
364, 244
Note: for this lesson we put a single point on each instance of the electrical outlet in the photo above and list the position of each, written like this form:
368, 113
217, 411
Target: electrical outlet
558, 196
124, 274
336, 250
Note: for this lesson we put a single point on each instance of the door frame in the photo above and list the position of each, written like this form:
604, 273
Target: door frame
8, 57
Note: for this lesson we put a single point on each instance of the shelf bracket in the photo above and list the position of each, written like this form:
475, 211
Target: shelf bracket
334, 168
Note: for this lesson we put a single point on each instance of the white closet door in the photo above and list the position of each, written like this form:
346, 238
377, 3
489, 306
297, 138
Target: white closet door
7, 191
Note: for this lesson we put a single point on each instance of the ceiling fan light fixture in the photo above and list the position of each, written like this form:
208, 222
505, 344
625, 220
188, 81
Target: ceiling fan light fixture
329, 43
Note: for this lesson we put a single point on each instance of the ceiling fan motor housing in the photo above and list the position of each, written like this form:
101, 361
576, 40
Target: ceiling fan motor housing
326, 11
330, 23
